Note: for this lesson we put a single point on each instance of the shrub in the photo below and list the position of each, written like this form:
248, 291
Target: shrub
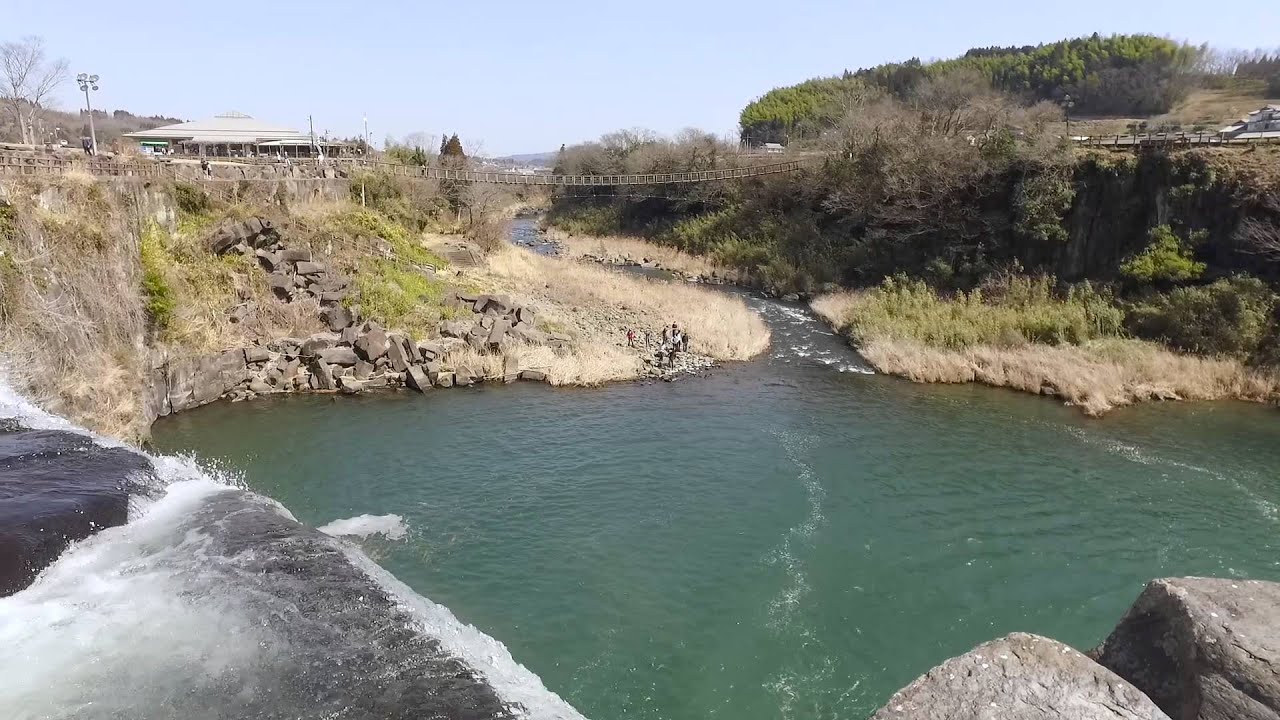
1166, 260
398, 296
1008, 311
160, 302
1231, 316
190, 200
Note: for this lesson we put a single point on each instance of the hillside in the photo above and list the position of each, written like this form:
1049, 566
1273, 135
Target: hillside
110, 125
1120, 76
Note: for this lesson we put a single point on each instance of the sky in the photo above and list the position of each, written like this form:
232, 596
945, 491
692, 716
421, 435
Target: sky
514, 76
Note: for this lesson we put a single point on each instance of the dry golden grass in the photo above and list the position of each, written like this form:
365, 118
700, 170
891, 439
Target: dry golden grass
71, 317
637, 249
602, 303
589, 363
1097, 376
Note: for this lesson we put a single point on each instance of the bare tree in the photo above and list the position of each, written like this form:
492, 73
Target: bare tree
29, 80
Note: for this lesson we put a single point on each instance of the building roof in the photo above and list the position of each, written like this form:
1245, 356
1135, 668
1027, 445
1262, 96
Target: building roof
229, 127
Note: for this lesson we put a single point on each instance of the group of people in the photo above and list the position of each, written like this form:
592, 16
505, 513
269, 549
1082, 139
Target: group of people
674, 340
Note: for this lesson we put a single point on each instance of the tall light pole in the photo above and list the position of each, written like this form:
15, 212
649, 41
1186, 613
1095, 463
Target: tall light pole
89, 82
1067, 104
366, 136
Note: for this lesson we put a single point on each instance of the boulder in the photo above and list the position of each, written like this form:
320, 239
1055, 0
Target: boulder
281, 285
306, 267
350, 334
497, 334
1020, 677
350, 385
416, 378
527, 333
444, 380
316, 343
295, 254
454, 329
1202, 648
256, 354
268, 260
363, 370
330, 283
398, 354
467, 375
510, 368
241, 312
373, 344
526, 315
477, 338
322, 375
535, 375
340, 355
332, 297
336, 317
430, 351
259, 387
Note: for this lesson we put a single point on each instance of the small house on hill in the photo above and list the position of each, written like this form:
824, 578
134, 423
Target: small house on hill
1261, 123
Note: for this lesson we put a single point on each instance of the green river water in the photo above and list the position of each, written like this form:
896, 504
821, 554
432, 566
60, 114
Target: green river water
787, 538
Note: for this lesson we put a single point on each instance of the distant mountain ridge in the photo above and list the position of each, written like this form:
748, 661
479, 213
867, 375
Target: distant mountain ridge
542, 159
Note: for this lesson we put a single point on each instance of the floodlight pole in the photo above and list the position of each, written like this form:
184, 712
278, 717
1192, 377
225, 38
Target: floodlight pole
89, 82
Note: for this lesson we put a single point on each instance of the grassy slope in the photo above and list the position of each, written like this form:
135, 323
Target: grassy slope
1041, 345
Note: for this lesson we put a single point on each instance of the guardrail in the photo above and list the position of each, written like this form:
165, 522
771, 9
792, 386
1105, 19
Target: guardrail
1163, 139
37, 165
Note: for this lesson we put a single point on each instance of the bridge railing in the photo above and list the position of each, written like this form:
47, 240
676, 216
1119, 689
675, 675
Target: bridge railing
1173, 138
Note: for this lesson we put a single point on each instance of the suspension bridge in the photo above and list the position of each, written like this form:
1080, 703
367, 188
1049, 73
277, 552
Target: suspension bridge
43, 164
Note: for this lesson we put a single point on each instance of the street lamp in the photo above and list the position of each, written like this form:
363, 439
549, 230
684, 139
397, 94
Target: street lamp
87, 83
1067, 104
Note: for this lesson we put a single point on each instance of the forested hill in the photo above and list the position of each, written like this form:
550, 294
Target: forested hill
1120, 74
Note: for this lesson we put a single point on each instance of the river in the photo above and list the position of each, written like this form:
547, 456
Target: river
792, 537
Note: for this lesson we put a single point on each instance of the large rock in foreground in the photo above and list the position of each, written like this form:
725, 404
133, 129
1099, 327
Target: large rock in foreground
1020, 677
1202, 648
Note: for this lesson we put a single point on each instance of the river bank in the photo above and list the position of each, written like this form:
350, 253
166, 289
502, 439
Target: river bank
123, 304
910, 333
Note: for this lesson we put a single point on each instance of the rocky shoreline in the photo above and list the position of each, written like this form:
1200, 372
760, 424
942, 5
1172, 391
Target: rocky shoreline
356, 355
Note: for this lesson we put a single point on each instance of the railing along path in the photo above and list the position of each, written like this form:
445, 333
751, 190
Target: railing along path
37, 165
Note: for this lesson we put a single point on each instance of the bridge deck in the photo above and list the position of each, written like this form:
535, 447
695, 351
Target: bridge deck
37, 165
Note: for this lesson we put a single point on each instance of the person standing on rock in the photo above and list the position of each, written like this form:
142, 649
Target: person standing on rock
631, 337
666, 335
684, 341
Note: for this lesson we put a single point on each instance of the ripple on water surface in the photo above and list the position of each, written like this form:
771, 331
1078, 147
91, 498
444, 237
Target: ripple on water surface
776, 540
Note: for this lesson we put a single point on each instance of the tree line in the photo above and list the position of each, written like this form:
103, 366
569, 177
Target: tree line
1117, 74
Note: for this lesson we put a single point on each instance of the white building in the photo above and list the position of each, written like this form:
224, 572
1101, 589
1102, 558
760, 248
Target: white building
1262, 123
234, 134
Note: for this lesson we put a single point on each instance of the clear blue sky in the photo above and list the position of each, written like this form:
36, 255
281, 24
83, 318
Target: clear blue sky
527, 75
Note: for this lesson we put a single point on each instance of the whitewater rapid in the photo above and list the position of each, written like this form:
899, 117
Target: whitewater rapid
214, 602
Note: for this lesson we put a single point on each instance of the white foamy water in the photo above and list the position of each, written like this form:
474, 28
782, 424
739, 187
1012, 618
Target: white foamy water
137, 620
800, 337
392, 527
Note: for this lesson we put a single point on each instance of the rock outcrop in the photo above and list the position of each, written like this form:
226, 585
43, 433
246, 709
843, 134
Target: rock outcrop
497, 323
1020, 677
57, 487
1202, 648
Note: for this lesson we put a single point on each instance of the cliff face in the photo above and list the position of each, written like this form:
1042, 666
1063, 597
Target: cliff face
1119, 199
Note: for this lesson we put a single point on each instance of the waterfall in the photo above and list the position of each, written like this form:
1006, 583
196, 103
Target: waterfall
214, 602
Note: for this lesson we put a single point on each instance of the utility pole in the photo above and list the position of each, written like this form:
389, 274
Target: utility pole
311, 126
1067, 104
89, 82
